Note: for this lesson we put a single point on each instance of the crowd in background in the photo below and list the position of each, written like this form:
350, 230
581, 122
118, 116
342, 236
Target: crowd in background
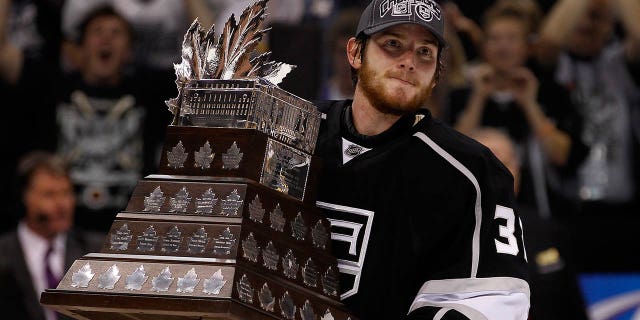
559, 80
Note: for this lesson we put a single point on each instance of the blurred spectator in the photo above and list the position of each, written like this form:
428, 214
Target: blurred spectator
37, 253
555, 291
505, 93
97, 118
339, 84
578, 43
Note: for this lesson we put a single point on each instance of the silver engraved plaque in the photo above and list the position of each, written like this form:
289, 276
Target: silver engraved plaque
330, 282
287, 307
206, 202
276, 217
147, 241
232, 158
298, 227
120, 240
256, 212
214, 284
180, 201
327, 315
310, 273
177, 156
319, 235
270, 256
81, 278
245, 291
162, 281
108, 279
154, 201
198, 241
231, 204
222, 244
267, 301
306, 313
250, 249
136, 279
172, 240
285, 169
289, 265
204, 157
188, 283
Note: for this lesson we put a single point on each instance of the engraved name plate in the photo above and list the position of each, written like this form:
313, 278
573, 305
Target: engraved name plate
277, 219
136, 279
198, 241
172, 240
177, 156
231, 204
245, 291
310, 273
306, 313
256, 212
214, 284
289, 265
188, 283
180, 202
154, 201
204, 157
232, 158
120, 240
222, 244
250, 249
298, 228
81, 278
266, 298
287, 306
319, 235
270, 256
206, 202
147, 241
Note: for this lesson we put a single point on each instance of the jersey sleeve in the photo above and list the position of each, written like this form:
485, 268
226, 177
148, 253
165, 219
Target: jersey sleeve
488, 278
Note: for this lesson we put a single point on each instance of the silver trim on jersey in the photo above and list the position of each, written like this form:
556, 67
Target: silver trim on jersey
345, 266
457, 293
475, 253
441, 313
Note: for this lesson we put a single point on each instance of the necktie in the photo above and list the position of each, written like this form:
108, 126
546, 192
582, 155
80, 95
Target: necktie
52, 279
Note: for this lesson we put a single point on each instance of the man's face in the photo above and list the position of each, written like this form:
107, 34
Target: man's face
397, 74
593, 30
105, 48
506, 45
50, 203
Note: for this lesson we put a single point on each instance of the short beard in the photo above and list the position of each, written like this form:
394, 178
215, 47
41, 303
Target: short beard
375, 92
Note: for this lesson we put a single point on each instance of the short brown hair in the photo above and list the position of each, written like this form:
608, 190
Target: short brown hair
39, 160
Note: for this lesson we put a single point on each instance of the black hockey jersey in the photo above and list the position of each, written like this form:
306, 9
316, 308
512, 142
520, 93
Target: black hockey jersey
422, 221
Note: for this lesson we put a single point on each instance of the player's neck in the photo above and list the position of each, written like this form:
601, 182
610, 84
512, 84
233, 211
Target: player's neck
368, 120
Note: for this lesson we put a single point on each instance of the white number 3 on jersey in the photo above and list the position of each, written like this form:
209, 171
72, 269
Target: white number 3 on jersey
507, 232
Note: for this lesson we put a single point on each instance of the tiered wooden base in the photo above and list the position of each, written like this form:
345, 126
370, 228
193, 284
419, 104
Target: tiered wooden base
202, 247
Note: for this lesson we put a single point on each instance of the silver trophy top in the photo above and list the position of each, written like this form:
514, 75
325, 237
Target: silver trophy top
224, 83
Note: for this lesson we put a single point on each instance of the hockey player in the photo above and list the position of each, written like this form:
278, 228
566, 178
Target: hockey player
422, 217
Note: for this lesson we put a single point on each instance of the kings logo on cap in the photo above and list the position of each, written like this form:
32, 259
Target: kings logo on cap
423, 9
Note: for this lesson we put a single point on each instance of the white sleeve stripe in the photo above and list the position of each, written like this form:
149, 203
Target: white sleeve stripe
441, 313
477, 298
468, 286
475, 246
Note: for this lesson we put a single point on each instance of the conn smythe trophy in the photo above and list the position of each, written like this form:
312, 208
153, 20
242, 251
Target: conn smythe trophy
227, 229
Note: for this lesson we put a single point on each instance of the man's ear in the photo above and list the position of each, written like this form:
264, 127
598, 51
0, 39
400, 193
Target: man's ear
353, 53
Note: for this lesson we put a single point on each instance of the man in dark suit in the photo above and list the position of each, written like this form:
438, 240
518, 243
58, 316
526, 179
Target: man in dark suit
37, 253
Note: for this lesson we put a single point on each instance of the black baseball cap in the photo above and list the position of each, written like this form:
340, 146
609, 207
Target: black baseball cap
382, 14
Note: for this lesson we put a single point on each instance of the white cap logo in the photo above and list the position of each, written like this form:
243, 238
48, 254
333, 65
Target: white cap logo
426, 10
